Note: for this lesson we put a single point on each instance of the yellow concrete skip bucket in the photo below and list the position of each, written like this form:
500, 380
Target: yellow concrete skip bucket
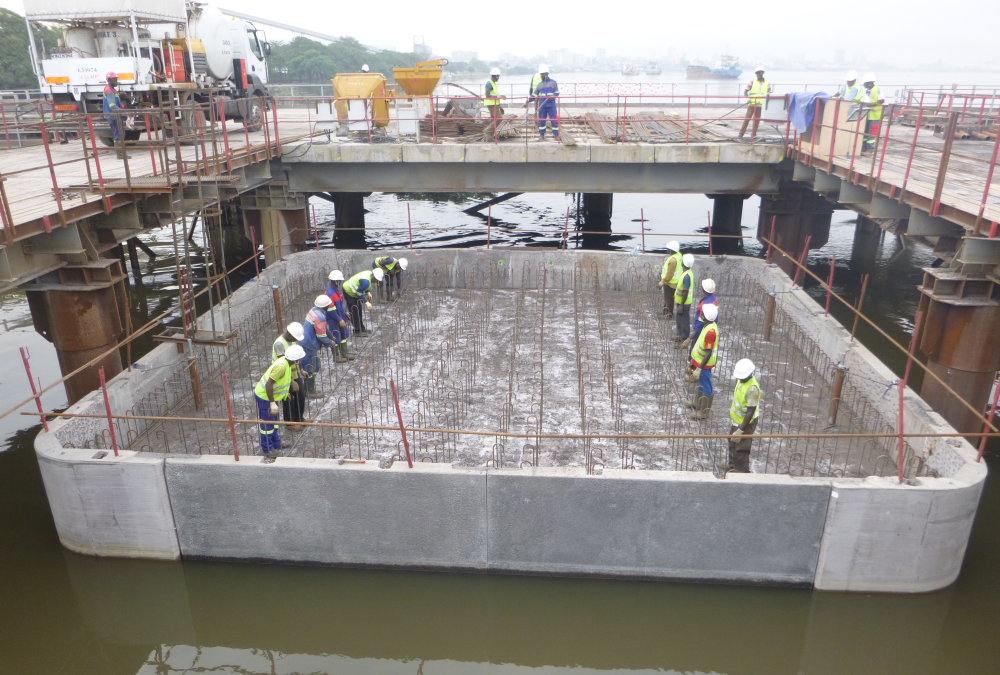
362, 86
421, 79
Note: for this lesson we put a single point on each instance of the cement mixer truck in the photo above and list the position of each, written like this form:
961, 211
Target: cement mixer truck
159, 49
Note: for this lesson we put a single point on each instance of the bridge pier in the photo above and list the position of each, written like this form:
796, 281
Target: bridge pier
597, 211
727, 218
864, 251
349, 219
799, 215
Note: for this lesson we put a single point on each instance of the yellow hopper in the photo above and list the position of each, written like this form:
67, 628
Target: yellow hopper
362, 86
421, 79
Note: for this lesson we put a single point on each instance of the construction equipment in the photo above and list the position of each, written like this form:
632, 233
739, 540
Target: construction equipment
421, 79
362, 99
190, 50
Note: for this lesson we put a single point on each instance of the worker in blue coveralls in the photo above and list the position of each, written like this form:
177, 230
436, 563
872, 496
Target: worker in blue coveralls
274, 387
316, 337
546, 92
336, 317
710, 298
112, 108
392, 268
358, 292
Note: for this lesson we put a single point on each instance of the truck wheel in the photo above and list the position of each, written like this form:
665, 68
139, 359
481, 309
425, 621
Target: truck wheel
108, 141
256, 120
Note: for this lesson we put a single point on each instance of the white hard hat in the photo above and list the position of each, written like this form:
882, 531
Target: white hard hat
708, 285
295, 353
336, 275
744, 369
364, 68
543, 68
295, 330
688, 260
494, 71
759, 69
851, 75
322, 301
379, 274
673, 246
869, 77
403, 263
710, 311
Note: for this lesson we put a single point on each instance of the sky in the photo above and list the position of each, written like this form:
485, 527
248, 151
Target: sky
917, 31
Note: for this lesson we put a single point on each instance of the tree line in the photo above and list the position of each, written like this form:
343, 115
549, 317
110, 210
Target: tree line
304, 60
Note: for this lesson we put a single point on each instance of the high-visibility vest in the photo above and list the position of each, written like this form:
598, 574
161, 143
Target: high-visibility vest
871, 96
381, 261
353, 285
680, 287
699, 351
285, 344
281, 386
536, 78
853, 94
758, 90
491, 90
739, 408
678, 269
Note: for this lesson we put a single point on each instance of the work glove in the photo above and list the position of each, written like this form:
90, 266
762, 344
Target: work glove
661, 283
295, 386
342, 324
686, 343
273, 409
738, 432
368, 306
369, 296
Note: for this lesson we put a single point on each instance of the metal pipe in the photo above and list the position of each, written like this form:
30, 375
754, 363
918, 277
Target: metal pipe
802, 261
402, 428
902, 387
857, 309
993, 411
838, 385
195, 378
107, 407
829, 285
770, 239
276, 294
27, 369
769, 316
409, 223
229, 411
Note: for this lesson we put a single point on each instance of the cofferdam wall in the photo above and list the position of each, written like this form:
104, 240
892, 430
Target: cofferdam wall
545, 411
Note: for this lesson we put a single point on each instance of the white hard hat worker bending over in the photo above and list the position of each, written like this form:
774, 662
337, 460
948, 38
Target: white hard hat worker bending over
294, 407
274, 386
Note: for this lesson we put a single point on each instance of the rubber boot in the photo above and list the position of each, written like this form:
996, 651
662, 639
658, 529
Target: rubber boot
120, 150
312, 391
338, 354
704, 408
344, 353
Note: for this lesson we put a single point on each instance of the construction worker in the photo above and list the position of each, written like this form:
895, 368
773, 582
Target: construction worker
755, 91
364, 68
112, 107
872, 99
710, 298
392, 268
492, 97
703, 357
670, 275
336, 315
546, 92
274, 386
294, 407
682, 299
852, 90
743, 414
315, 338
357, 290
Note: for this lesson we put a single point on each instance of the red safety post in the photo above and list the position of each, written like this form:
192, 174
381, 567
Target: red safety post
52, 171
315, 225
687, 128
229, 411
107, 406
989, 421
38, 400
709, 214
256, 256
624, 117
566, 231
277, 139
771, 238
3, 114
149, 138
489, 225
642, 227
833, 134
225, 136
965, 103
902, 388
409, 224
982, 109
913, 149
802, 261
246, 134
989, 182
402, 429
829, 284
97, 163
201, 139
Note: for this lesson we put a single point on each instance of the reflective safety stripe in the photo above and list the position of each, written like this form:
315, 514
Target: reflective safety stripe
872, 96
852, 93
680, 287
491, 90
739, 408
352, 285
757, 91
678, 268
381, 262
281, 386
698, 354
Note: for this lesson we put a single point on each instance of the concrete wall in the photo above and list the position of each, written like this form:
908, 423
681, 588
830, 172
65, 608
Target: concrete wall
838, 534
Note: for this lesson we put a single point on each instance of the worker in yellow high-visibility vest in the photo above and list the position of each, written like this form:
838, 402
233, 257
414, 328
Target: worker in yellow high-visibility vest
273, 388
852, 90
703, 358
872, 100
670, 274
492, 97
756, 92
683, 296
743, 414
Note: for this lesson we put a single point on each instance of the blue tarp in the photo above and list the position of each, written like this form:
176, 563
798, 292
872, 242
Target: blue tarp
802, 108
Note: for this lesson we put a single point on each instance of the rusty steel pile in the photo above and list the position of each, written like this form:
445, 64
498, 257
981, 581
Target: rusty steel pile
538, 350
